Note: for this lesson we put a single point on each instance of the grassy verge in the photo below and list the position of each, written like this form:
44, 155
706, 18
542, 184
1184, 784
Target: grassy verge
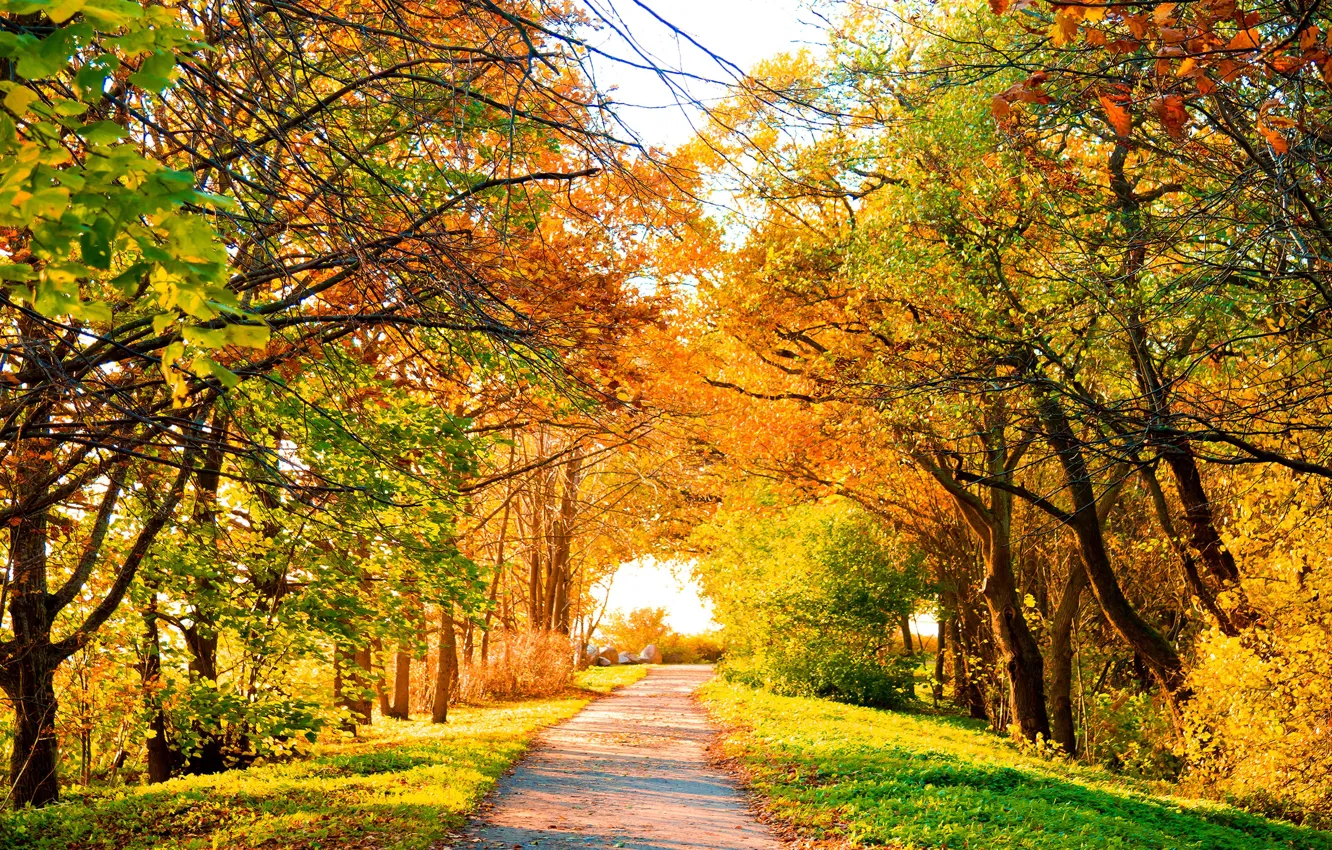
603, 680
856, 776
406, 786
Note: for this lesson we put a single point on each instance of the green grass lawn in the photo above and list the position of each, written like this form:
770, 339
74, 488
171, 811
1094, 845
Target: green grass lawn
861, 777
406, 785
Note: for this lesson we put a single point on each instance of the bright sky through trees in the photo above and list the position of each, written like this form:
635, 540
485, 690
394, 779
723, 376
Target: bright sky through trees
739, 32
649, 583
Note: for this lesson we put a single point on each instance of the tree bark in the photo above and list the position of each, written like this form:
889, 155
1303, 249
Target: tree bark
162, 759
446, 671
904, 624
1062, 728
29, 660
1021, 653
940, 644
402, 685
350, 670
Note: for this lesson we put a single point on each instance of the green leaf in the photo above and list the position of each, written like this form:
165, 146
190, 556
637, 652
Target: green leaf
110, 14
69, 108
206, 367
154, 73
16, 272
95, 242
205, 337
91, 311
101, 132
65, 9
47, 57
91, 78
47, 203
128, 281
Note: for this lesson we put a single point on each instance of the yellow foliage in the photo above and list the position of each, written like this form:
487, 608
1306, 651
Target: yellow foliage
1263, 706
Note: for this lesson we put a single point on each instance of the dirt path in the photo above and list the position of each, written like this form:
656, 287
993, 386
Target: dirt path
629, 771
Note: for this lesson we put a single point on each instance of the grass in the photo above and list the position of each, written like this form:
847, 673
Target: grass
405, 786
860, 777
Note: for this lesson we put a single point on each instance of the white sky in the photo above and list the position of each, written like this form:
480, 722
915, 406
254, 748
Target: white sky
742, 32
653, 584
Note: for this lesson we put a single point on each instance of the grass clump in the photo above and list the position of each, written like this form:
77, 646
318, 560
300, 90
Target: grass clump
603, 680
871, 777
404, 786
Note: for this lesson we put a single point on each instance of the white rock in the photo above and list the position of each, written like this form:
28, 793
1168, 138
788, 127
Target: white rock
650, 654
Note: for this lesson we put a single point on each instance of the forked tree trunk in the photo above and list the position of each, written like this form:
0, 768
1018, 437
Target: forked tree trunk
162, 759
992, 524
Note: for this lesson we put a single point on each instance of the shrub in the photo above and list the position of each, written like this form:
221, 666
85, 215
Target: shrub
1259, 720
520, 665
809, 598
706, 648
837, 675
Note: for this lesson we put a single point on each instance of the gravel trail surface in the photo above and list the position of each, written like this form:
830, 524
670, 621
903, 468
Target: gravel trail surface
629, 771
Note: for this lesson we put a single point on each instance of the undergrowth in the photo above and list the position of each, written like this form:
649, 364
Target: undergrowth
404, 786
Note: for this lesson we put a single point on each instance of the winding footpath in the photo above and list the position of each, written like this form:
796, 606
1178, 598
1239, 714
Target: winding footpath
629, 771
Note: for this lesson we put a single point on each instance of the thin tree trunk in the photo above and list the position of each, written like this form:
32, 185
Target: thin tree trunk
1062, 727
350, 685
161, 758
904, 623
940, 646
1188, 565
380, 674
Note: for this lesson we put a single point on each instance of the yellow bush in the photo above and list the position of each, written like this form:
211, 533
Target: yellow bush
520, 665
1263, 704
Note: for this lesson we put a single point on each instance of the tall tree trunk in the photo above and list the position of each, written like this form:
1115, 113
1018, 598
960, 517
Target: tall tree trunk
992, 524
380, 674
1188, 565
201, 637
563, 541
446, 671
29, 660
162, 759
1022, 655
350, 685
940, 650
1062, 727
28, 676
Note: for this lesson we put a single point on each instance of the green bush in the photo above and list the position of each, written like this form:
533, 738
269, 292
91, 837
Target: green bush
838, 675
810, 598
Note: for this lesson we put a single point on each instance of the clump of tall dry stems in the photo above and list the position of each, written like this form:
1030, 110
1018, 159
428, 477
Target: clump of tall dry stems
518, 665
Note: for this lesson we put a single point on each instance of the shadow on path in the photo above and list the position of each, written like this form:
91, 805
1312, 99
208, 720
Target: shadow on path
628, 771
